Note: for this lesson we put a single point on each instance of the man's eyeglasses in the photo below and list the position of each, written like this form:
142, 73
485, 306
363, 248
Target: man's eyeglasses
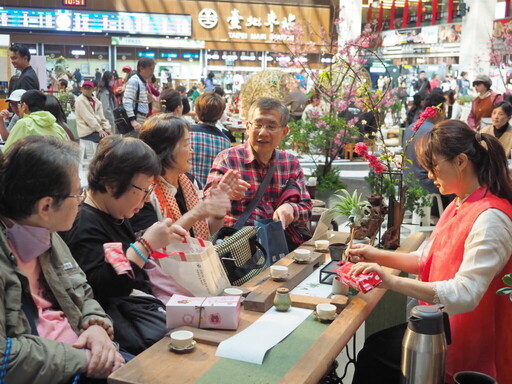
272, 128
147, 192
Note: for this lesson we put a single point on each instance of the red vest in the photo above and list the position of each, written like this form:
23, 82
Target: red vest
482, 338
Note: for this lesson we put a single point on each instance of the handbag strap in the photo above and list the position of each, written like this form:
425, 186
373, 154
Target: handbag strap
257, 198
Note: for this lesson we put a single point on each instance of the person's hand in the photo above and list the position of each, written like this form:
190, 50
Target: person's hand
216, 205
233, 185
385, 276
102, 356
5, 114
285, 214
135, 124
362, 252
163, 233
103, 133
98, 321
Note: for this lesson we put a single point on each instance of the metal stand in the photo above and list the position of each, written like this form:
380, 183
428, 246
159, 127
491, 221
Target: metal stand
332, 376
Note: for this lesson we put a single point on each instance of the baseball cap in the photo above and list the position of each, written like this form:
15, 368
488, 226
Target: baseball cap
16, 95
483, 79
88, 84
126, 68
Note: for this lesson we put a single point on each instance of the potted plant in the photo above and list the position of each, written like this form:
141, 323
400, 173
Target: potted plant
507, 279
356, 210
417, 200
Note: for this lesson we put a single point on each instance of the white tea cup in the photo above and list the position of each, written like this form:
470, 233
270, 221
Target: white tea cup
339, 288
233, 292
325, 311
278, 271
182, 339
302, 255
322, 244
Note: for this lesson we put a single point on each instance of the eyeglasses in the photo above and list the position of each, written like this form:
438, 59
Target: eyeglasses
147, 192
82, 194
272, 128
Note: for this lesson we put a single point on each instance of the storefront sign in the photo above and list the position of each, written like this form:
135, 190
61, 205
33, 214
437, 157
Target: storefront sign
95, 22
154, 42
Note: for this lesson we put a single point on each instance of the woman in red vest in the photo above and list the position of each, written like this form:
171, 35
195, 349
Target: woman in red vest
462, 264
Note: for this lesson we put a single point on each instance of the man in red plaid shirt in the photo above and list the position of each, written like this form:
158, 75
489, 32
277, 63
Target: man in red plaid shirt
266, 126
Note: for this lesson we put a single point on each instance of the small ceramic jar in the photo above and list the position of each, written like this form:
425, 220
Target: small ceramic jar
282, 300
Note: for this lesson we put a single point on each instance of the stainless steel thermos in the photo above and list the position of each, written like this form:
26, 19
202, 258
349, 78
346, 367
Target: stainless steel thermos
424, 346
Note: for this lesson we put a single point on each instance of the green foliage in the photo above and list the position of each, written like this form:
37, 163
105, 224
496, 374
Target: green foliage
329, 181
507, 279
465, 99
387, 189
416, 197
352, 206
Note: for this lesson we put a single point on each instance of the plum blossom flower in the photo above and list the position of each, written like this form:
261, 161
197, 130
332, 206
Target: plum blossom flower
427, 113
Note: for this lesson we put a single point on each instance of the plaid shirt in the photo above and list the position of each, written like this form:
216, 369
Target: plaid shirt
207, 141
241, 158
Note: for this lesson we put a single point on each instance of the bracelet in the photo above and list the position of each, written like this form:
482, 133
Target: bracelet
141, 255
146, 245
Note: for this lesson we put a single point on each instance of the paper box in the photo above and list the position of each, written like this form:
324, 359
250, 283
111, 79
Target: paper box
363, 282
218, 312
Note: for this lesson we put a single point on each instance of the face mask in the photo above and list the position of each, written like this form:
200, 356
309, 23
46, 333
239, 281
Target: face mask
29, 242
111, 83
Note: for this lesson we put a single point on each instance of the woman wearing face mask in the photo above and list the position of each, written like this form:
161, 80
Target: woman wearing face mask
500, 127
120, 182
51, 327
105, 93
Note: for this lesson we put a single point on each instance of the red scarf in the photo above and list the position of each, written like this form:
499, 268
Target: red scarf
482, 338
170, 208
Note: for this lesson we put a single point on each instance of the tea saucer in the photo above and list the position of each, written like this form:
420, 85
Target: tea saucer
186, 349
280, 278
322, 320
321, 250
301, 261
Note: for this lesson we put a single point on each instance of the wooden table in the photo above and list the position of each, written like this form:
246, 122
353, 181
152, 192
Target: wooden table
157, 365
237, 128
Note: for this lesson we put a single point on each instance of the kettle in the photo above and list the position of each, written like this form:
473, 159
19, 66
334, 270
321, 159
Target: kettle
424, 346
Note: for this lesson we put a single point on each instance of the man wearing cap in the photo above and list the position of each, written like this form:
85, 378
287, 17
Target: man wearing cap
20, 59
135, 98
35, 120
482, 105
14, 103
91, 123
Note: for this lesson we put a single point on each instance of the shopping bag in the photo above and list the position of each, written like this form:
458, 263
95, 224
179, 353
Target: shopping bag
121, 120
195, 265
271, 237
241, 254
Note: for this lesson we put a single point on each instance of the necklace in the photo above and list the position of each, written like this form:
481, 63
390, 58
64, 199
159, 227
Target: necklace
89, 200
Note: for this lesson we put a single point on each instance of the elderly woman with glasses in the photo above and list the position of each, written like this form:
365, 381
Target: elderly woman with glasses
120, 182
177, 194
51, 327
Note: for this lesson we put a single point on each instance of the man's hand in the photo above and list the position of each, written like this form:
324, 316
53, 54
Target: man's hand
285, 214
102, 356
135, 124
104, 133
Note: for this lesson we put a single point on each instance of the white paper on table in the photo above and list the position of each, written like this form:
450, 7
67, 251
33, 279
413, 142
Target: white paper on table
252, 343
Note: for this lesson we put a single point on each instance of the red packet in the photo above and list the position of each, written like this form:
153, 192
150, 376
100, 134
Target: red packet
363, 282
114, 255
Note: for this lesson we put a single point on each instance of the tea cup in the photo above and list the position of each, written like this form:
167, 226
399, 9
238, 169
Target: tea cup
278, 271
302, 255
322, 244
233, 292
325, 311
182, 339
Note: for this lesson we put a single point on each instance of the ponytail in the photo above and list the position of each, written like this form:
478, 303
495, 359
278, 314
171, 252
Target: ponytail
493, 168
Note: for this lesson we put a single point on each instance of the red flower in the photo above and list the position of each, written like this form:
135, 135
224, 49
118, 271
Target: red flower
427, 113
361, 149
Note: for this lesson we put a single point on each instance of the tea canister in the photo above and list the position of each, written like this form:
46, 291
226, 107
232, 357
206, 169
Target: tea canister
282, 300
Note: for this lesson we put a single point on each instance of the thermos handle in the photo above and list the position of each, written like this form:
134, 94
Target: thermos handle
447, 330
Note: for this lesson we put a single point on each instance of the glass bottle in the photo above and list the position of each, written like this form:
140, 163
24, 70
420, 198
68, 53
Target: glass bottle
282, 300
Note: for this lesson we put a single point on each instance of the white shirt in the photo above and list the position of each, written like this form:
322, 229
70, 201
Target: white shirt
487, 250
